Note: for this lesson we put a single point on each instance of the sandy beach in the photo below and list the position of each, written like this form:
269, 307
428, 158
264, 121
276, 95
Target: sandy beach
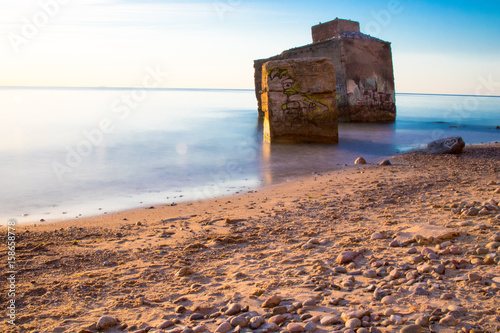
410, 247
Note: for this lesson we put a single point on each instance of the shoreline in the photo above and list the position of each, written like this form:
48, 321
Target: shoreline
402, 243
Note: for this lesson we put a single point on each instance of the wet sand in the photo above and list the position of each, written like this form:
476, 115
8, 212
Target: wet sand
416, 242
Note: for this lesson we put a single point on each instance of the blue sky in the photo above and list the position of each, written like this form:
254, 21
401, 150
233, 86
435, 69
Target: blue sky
438, 46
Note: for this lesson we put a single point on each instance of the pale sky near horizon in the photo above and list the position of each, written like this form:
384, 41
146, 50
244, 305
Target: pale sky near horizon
438, 46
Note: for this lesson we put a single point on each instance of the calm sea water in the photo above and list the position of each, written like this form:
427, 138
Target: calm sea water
68, 153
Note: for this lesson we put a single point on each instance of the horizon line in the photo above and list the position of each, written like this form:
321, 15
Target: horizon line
200, 89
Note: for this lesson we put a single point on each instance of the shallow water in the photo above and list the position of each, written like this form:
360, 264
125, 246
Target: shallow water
78, 152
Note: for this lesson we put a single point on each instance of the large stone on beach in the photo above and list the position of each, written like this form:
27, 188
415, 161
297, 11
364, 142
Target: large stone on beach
428, 233
453, 145
299, 100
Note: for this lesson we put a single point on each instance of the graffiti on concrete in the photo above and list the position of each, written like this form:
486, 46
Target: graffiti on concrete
369, 91
297, 106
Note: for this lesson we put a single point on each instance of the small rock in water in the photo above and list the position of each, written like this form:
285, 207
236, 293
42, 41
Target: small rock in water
452, 145
360, 160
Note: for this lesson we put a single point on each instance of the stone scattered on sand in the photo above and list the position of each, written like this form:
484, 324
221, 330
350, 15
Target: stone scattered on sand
449, 320
376, 236
272, 301
354, 314
166, 324
353, 323
295, 328
233, 309
184, 271
256, 322
412, 329
106, 322
224, 327
278, 319
346, 257
309, 302
360, 160
330, 320
452, 145
241, 321
385, 162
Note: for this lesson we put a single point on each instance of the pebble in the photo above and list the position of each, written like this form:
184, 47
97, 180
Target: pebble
309, 302
412, 329
340, 270
377, 236
180, 309
389, 312
295, 327
354, 314
196, 316
386, 162
200, 328
448, 321
353, 323
379, 293
473, 277
184, 271
166, 324
278, 319
346, 257
280, 310
370, 273
394, 243
106, 322
272, 301
269, 327
233, 309
330, 320
396, 319
362, 330
422, 321
310, 327
360, 160
256, 322
492, 246
224, 327
241, 321
446, 296
388, 300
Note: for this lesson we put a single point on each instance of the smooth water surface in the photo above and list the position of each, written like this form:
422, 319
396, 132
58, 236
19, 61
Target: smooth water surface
79, 152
